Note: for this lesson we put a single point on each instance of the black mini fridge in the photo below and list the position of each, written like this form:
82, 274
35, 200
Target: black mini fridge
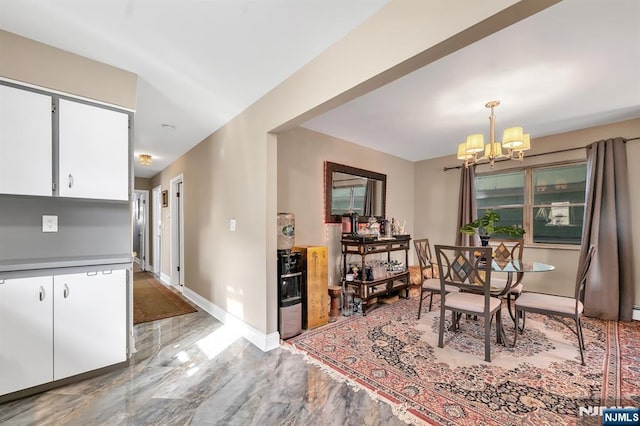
289, 293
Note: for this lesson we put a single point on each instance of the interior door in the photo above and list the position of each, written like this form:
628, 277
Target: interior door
142, 234
180, 236
177, 231
140, 215
136, 228
157, 229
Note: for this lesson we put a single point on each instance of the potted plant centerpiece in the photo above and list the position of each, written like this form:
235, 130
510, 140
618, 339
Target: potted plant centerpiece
485, 227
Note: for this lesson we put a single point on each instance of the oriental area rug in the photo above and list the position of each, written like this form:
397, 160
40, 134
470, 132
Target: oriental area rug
153, 301
395, 357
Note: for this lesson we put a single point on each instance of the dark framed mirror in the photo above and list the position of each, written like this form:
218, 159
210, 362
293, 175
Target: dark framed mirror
352, 190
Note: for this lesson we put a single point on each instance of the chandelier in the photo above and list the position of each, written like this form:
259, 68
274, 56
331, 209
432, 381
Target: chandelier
514, 141
144, 159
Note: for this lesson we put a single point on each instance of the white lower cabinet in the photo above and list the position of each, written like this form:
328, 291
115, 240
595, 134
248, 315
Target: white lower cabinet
55, 327
89, 317
26, 333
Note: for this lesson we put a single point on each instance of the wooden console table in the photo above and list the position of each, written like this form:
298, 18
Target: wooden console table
391, 282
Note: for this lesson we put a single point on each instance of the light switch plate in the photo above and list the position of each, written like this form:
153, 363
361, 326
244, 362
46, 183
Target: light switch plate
232, 225
49, 223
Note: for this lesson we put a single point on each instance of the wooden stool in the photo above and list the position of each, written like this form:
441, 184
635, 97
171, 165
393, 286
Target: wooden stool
335, 292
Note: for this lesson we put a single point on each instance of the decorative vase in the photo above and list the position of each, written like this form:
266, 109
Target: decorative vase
484, 241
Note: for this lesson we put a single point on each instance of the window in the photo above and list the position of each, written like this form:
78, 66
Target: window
547, 201
348, 199
348, 194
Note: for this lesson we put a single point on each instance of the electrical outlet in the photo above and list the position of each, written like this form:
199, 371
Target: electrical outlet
232, 225
49, 223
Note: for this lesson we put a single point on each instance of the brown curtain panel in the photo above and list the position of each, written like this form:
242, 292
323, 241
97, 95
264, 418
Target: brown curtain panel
369, 198
466, 205
607, 225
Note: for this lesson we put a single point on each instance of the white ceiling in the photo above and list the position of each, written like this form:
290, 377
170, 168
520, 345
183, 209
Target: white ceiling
200, 63
571, 66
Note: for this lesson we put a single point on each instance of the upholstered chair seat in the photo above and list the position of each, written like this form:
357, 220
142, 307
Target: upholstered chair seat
434, 285
469, 302
559, 304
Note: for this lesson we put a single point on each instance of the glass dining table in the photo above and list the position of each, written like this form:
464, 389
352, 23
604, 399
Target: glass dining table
515, 268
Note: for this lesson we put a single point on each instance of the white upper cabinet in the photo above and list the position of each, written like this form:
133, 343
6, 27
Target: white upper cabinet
93, 152
25, 142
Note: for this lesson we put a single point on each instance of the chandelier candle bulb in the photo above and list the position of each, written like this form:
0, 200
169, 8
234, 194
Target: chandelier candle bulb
526, 145
462, 152
475, 143
513, 139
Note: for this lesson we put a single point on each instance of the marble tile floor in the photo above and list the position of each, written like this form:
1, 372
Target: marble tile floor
193, 370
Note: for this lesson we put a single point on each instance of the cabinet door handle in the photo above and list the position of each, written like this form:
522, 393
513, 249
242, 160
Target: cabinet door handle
92, 274
107, 272
70, 179
41, 294
65, 291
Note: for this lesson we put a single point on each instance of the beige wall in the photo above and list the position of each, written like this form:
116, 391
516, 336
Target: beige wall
232, 174
301, 157
436, 195
142, 183
28, 61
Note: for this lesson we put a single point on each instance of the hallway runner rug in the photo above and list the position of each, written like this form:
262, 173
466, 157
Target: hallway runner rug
153, 301
396, 357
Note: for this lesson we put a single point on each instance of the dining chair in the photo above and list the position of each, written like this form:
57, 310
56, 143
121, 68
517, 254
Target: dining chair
506, 250
428, 267
559, 306
467, 269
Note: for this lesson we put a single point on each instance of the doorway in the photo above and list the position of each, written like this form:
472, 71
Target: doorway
140, 229
177, 231
156, 230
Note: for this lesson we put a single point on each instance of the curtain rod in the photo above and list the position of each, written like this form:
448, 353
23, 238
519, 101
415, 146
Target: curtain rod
544, 153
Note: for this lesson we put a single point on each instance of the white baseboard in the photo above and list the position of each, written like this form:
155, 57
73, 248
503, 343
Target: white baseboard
636, 313
264, 342
166, 279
